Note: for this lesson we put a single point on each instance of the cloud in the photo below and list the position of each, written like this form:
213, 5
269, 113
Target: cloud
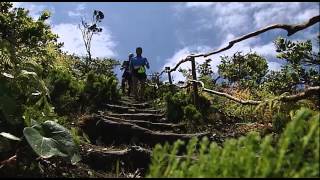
102, 45
234, 19
35, 9
78, 11
284, 13
199, 4
16, 4
274, 66
243, 17
181, 54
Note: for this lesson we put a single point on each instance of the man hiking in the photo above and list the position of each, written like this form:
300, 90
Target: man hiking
139, 75
126, 76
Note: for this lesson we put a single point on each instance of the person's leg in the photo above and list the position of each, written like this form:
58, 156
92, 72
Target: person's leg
142, 89
135, 86
123, 80
129, 84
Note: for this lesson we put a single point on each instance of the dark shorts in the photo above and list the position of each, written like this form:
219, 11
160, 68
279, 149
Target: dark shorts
126, 75
140, 76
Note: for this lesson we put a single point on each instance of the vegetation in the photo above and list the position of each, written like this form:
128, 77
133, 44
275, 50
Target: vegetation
244, 70
42, 87
50, 100
294, 154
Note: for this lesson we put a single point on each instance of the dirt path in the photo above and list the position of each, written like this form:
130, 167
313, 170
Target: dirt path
123, 135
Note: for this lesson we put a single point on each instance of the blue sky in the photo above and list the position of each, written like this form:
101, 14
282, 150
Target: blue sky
168, 32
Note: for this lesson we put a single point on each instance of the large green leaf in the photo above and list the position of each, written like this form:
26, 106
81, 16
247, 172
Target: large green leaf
51, 139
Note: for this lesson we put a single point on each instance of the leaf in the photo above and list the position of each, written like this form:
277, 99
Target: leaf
10, 136
43, 146
75, 159
7, 75
25, 72
101, 15
52, 139
36, 93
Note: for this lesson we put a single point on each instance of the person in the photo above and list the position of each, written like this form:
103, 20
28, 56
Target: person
138, 65
126, 76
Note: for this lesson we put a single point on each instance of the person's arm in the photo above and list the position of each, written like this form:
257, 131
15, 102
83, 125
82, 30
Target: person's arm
131, 64
147, 63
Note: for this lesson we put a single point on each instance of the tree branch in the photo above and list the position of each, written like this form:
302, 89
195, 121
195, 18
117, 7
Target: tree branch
296, 97
180, 62
291, 29
307, 93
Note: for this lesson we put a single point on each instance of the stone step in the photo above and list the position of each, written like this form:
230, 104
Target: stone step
127, 109
138, 116
167, 127
113, 132
136, 105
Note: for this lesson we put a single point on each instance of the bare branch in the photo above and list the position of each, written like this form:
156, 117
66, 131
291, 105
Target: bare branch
180, 62
183, 86
161, 72
291, 29
306, 93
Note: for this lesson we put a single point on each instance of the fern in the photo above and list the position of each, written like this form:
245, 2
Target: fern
294, 154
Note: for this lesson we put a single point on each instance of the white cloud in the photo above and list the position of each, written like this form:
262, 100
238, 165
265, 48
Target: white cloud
199, 4
102, 45
294, 12
274, 66
266, 50
35, 9
181, 54
235, 19
16, 4
78, 11
244, 17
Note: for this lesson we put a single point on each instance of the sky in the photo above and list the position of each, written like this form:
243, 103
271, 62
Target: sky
168, 31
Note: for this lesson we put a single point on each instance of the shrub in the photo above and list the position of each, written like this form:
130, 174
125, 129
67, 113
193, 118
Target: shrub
65, 90
100, 89
180, 106
191, 113
294, 154
175, 103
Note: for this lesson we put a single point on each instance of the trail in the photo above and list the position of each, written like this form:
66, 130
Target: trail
127, 132
124, 135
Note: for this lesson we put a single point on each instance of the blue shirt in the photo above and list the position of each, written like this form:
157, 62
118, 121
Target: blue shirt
139, 61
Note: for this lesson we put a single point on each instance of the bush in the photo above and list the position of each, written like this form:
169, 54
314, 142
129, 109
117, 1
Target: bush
180, 106
65, 91
100, 89
175, 104
294, 154
204, 105
279, 122
191, 113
